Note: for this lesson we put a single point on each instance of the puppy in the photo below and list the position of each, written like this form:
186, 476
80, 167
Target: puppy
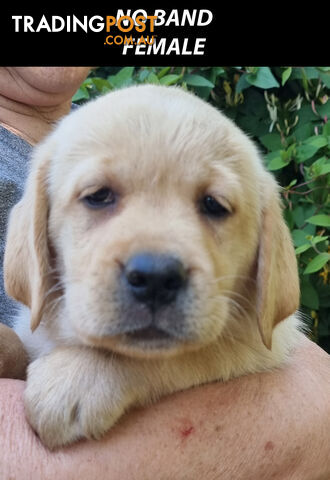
150, 250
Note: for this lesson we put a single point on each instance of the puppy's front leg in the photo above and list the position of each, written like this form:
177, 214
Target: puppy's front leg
80, 392
76, 392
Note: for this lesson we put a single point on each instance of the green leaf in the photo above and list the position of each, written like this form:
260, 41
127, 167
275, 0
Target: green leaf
197, 81
324, 169
101, 84
288, 218
311, 242
81, 94
272, 141
302, 131
320, 167
317, 263
309, 147
299, 214
299, 237
277, 163
309, 296
242, 83
163, 72
289, 152
217, 71
143, 75
324, 110
303, 248
277, 160
318, 239
305, 152
152, 78
321, 220
122, 78
325, 77
291, 184
317, 141
307, 72
286, 75
306, 114
263, 78
326, 129
170, 79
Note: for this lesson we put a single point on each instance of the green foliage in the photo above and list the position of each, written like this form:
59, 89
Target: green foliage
286, 111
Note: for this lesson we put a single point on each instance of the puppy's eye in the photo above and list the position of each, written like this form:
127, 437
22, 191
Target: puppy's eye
211, 207
100, 199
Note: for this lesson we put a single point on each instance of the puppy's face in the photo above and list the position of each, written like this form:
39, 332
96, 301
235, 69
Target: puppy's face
147, 206
155, 211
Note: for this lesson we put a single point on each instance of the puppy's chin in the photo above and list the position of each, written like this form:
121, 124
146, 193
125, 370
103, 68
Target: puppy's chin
142, 344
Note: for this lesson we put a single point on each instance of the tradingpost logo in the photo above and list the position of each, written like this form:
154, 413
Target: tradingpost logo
134, 32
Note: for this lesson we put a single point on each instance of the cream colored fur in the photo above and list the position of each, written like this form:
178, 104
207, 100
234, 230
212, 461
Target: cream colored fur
161, 150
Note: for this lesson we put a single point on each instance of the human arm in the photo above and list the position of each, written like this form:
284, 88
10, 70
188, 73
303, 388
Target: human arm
275, 423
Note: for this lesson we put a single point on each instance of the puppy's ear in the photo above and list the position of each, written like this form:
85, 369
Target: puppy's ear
277, 274
27, 258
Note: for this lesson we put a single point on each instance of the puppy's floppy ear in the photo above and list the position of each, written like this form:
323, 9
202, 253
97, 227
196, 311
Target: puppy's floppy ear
277, 273
27, 258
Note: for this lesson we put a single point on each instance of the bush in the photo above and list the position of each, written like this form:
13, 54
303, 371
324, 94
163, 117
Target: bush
286, 111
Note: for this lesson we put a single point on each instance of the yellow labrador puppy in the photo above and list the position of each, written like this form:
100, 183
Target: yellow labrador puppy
150, 250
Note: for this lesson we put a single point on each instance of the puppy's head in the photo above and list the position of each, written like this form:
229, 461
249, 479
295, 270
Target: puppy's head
149, 220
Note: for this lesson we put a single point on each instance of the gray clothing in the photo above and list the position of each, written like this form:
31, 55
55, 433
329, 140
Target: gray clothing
14, 159
14, 165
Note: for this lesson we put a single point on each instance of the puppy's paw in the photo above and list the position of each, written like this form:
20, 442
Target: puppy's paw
70, 396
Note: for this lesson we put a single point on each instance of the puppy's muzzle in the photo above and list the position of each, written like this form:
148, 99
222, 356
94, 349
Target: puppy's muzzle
153, 284
154, 280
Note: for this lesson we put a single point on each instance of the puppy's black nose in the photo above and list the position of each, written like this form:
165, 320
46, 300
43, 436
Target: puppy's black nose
155, 279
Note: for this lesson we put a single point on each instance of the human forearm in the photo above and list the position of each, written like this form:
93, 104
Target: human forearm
273, 425
251, 428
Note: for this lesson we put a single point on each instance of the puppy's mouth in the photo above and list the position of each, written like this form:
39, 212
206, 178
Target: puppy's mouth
148, 334
145, 342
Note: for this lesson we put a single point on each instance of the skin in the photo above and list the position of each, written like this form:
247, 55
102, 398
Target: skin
33, 98
273, 425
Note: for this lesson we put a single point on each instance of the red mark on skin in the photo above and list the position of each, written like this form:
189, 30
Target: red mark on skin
185, 432
269, 446
184, 429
